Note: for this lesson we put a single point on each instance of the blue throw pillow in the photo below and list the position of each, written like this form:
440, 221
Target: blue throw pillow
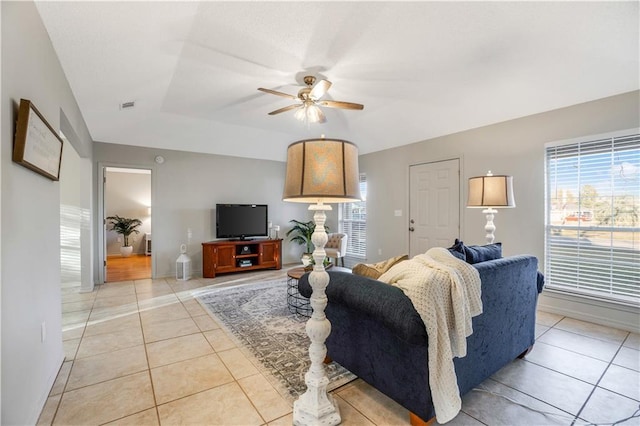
457, 249
475, 254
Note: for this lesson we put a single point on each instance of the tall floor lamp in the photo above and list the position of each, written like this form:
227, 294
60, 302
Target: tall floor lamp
490, 192
319, 171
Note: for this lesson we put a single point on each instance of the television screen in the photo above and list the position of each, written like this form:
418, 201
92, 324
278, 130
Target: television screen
241, 220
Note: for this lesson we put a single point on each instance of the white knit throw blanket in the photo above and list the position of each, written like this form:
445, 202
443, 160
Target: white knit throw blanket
446, 293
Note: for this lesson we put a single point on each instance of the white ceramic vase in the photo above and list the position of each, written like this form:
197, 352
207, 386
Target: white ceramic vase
306, 259
126, 251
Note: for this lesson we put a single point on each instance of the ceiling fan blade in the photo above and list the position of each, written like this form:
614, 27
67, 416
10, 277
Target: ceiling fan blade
274, 92
319, 89
287, 108
340, 104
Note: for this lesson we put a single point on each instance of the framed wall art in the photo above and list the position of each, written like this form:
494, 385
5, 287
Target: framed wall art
37, 145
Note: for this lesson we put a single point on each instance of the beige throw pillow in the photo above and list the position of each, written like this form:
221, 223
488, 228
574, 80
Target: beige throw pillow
374, 270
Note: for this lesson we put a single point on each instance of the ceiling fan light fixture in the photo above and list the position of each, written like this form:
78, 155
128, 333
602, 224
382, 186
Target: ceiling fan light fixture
309, 113
301, 113
313, 113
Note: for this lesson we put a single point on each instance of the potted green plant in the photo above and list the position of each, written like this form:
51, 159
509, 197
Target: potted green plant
125, 227
302, 232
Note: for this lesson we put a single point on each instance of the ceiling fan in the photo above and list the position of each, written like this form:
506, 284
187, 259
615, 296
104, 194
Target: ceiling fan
308, 109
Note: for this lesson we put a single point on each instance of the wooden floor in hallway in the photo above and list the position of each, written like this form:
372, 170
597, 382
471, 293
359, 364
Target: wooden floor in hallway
136, 267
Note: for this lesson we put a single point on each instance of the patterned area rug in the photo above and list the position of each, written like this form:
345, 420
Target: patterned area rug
274, 339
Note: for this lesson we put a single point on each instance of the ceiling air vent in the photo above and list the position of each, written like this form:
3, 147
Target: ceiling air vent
127, 105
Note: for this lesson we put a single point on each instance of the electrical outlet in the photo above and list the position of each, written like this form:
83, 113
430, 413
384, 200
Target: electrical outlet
119, 239
43, 332
379, 252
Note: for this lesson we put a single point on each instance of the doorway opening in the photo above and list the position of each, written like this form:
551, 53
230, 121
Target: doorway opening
127, 194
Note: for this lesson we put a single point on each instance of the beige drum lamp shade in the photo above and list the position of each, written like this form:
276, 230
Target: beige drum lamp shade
491, 191
322, 170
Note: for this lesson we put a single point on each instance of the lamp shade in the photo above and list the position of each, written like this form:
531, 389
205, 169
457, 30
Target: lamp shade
322, 170
491, 191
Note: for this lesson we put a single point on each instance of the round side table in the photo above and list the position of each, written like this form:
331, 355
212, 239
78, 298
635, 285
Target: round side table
297, 303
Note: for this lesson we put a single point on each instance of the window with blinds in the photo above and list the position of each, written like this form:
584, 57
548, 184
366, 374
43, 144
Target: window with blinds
592, 243
353, 222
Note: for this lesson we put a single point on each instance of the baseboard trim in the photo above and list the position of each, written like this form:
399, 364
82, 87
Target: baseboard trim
605, 313
51, 380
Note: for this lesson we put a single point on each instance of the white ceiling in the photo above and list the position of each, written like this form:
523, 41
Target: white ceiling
422, 69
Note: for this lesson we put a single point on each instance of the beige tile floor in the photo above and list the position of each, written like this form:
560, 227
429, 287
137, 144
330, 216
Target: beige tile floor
146, 353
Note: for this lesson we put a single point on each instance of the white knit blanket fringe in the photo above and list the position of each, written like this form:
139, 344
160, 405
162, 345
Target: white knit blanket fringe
446, 293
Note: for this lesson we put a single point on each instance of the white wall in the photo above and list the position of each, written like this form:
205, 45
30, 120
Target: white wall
30, 246
514, 148
186, 188
83, 194
70, 216
128, 195
76, 245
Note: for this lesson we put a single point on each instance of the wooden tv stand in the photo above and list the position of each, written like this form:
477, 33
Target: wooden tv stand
220, 257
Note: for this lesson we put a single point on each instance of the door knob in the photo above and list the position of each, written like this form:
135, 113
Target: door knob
412, 221
411, 229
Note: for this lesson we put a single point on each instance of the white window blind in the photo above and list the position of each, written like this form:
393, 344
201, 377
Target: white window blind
593, 218
353, 222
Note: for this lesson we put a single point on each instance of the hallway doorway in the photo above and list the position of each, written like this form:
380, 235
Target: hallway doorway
127, 193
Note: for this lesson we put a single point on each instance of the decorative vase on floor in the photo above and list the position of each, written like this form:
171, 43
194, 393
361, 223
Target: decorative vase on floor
125, 227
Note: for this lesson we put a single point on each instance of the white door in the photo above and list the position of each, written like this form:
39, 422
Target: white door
434, 205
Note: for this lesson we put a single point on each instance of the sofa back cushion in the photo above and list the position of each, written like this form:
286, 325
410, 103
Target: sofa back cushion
457, 249
476, 254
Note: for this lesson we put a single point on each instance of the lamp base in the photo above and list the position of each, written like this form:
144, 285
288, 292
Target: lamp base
323, 411
490, 228
316, 406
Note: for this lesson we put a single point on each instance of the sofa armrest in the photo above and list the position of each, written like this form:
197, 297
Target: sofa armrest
374, 299
504, 266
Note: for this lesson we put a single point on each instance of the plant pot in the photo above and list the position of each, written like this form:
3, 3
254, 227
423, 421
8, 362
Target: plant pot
306, 259
126, 251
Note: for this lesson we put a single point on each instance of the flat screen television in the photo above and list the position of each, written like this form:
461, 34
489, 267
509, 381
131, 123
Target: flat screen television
241, 220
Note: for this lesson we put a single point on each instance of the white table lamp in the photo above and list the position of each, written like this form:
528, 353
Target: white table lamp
319, 171
490, 192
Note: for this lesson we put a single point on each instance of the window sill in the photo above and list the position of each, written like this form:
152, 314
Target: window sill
605, 312
595, 300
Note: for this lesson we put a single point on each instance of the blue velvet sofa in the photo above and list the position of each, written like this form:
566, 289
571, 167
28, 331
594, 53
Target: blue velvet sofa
377, 334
